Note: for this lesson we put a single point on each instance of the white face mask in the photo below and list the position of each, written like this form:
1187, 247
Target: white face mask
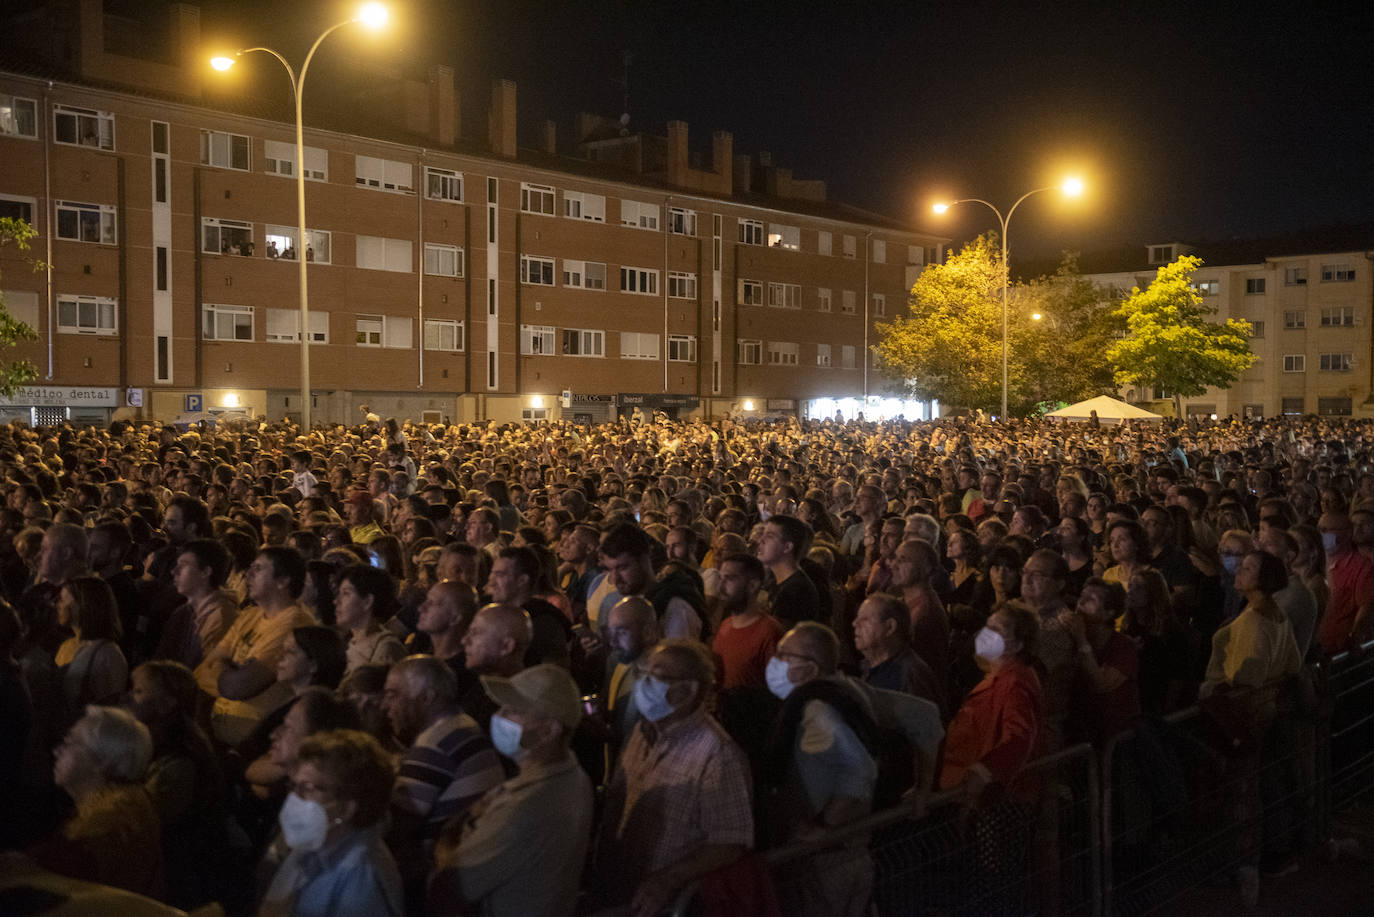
989, 645
1231, 562
1329, 542
304, 823
506, 735
651, 698
777, 675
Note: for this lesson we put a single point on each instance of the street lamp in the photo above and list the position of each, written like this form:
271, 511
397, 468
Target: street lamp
372, 15
1071, 187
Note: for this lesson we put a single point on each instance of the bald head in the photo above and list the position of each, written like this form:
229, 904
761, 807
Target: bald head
496, 640
632, 626
448, 608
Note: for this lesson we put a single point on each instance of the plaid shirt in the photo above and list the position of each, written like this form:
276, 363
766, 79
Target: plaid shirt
678, 789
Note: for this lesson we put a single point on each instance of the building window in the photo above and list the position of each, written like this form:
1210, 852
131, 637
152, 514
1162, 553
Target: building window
1335, 362
391, 331
384, 174
226, 323
160, 269
1208, 287
715, 314
86, 223
879, 251
1257, 329
444, 334
281, 160
916, 255
1292, 405
847, 356
639, 215
749, 292
717, 224
580, 342
584, 275
750, 352
682, 348
788, 237
536, 340
639, 280
1294, 363
536, 270
848, 302
1294, 319
1337, 273
443, 260
1339, 317
87, 315
18, 208
682, 222
750, 232
636, 345
1334, 407
1295, 277
226, 237
224, 151
784, 295
823, 299
822, 354
1161, 254
682, 286
580, 206
1254, 286
537, 199
284, 326
378, 254
781, 353
880, 304
825, 243
851, 247
18, 116
84, 127
443, 185
281, 244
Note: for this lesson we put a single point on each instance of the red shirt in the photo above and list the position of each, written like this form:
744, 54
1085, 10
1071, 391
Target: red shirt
743, 652
998, 726
1352, 587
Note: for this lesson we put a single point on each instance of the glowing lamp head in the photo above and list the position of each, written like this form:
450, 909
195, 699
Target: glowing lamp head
1072, 187
748, 405
373, 15
221, 63
940, 208
1036, 316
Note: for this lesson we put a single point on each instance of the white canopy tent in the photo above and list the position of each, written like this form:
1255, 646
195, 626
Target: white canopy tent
1109, 410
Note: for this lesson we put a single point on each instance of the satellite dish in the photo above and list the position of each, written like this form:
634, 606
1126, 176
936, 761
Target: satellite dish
625, 119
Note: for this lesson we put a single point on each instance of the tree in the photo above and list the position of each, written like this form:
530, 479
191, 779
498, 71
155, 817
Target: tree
1170, 344
949, 347
15, 373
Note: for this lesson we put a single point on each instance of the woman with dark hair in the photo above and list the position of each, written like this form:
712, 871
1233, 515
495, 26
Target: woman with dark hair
1310, 566
1096, 517
318, 595
389, 554
92, 666
366, 600
1258, 647
813, 513
1129, 547
1167, 650
966, 554
505, 510
1075, 543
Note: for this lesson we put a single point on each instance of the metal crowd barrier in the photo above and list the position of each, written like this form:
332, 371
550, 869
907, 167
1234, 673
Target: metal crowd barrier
1168, 805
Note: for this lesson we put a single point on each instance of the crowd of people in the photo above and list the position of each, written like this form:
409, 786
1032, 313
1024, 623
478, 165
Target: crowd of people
416, 669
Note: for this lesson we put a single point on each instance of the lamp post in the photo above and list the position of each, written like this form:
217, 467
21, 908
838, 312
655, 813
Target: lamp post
1071, 187
372, 15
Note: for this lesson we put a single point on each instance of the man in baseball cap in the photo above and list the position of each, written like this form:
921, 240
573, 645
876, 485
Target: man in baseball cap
362, 518
507, 856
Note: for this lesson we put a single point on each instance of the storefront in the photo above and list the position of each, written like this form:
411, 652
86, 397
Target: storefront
43, 405
677, 407
589, 409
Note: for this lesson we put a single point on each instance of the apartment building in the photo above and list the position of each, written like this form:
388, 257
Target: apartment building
1309, 298
450, 277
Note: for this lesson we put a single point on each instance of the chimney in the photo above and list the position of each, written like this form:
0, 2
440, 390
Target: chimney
548, 139
582, 129
740, 179
501, 118
723, 157
443, 106
183, 39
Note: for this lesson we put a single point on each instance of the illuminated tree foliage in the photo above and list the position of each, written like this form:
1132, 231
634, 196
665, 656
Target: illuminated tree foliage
15, 373
1171, 345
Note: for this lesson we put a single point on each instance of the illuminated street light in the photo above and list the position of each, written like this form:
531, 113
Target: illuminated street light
1071, 187
372, 15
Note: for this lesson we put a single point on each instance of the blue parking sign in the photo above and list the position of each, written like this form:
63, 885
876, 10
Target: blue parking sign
193, 403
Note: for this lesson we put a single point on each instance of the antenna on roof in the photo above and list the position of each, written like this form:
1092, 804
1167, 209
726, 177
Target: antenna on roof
626, 58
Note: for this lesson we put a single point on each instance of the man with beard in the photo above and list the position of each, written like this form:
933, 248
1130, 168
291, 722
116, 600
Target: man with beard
747, 635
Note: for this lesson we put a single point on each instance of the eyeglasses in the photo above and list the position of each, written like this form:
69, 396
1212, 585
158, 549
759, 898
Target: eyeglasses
785, 656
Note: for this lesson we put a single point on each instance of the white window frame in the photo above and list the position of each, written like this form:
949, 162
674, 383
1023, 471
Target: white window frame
583, 205
443, 260
12, 123
639, 281
878, 250
1342, 272
541, 200
750, 352
368, 329
784, 237
823, 357
219, 226
825, 242
583, 342
682, 222
104, 126
848, 356
445, 335
319, 242
823, 299
638, 345
238, 319
394, 176
784, 295
378, 253
1255, 286
1294, 319
536, 270
284, 326
23, 306
682, 285
639, 215
1295, 362
222, 149
849, 302
537, 341
584, 275
26, 203
915, 254
104, 310
750, 232
1338, 317
106, 222
783, 353
1295, 276
1335, 362
880, 305
443, 185
682, 348
280, 159
851, 246
1208, 287
749, 292
392, 332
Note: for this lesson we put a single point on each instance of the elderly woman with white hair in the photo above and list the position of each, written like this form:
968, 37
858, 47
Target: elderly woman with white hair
113, 835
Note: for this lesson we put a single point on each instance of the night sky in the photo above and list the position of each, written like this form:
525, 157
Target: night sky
1188, 121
